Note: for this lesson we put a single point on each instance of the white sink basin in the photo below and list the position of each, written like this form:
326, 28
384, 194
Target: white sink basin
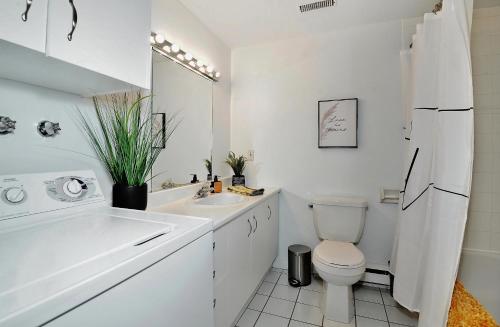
222, 199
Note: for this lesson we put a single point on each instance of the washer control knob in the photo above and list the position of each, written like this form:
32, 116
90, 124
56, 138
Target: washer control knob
74, 187
48, 129
15, 195
7, 125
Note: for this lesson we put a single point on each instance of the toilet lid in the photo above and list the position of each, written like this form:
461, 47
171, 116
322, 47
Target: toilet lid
341, 254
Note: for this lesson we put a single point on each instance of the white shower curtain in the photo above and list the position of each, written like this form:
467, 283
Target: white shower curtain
437, 78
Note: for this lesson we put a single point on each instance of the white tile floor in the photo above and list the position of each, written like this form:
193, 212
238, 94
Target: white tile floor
276, 304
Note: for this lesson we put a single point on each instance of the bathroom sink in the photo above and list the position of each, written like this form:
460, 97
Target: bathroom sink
222, 199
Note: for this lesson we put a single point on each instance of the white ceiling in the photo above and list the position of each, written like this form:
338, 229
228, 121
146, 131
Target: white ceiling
245, 22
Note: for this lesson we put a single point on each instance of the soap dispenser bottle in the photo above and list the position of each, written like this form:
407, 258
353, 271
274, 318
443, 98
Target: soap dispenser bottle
217, 185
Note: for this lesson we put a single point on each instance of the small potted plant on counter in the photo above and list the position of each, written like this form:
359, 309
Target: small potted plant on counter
208, 166
238, 165
127, 142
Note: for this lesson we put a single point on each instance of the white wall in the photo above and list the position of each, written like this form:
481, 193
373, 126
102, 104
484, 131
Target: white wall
483, 225
183, 28
25, 151
275, 89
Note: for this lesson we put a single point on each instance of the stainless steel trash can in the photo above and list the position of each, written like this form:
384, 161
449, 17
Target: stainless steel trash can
299, 265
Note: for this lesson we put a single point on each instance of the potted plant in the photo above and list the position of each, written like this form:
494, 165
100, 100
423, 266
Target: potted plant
208, 166
238, 165
127, 143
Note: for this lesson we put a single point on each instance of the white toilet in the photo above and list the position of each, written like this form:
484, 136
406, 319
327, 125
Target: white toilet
339, 223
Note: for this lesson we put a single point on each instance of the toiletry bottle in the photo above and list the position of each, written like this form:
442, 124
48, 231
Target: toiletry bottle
217, 185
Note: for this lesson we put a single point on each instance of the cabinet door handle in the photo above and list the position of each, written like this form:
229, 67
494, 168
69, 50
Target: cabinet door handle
24, 16
270, 212
256, 224
74, 21
251, 227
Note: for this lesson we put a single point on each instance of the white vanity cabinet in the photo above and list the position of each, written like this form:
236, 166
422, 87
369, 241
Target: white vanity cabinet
244, 250
83, 47
27, 30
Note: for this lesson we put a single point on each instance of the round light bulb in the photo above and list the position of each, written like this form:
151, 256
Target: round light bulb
167, 49
159, 38
180, 56
200, 63
210, 68
201, 69
192, 64
175, 48
188, 56
217, 74
152, 39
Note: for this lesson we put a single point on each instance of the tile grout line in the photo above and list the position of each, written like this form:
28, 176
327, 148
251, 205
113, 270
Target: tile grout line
260, 313
354, 300
294, 305
383, 302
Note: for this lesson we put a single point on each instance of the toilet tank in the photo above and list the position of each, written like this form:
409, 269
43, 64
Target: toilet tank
339, 218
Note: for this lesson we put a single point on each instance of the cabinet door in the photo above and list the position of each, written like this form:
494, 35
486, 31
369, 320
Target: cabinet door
222, 276
260, 246
30, 32
110, 37
233, 285
272, 207
266, 240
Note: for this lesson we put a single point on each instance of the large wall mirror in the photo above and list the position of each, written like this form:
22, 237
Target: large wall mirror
179, 91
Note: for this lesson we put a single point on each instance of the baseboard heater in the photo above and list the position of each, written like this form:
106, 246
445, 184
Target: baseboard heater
377, 276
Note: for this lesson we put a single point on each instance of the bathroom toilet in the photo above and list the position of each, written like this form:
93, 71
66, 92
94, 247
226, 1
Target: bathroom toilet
339, 223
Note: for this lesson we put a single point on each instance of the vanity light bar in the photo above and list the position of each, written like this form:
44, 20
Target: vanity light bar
186, 59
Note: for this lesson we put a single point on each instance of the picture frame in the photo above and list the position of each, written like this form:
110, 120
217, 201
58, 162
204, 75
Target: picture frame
159, 125
338, 123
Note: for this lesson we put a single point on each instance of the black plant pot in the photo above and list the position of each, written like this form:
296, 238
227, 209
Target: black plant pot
238, 180
130, 197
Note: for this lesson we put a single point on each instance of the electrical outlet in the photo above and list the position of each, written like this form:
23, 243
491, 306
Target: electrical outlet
251, 155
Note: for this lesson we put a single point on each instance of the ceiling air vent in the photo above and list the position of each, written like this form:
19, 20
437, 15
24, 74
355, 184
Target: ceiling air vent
316, 5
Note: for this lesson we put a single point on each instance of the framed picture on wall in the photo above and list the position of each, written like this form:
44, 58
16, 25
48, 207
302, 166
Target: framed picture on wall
159, 126
338, 123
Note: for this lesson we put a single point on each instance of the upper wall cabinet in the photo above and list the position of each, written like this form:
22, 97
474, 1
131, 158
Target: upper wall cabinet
24, 22
110, 37
84, 47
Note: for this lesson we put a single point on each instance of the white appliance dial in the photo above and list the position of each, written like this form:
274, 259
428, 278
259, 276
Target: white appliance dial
14, 195
74, 187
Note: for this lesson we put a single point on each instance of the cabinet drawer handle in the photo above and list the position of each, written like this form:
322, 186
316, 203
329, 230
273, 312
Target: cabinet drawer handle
256, 224
24, 16
250, 227
270, 212
74, 21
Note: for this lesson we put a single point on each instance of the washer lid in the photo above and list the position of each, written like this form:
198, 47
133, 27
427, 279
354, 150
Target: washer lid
342, 254
343, 201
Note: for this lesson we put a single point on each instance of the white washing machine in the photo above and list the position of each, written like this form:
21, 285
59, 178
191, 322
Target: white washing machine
68, 259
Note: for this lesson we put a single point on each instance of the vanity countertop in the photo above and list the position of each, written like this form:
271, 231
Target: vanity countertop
220, 215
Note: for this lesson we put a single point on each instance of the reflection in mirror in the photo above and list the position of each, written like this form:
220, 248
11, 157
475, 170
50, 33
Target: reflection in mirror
180, 92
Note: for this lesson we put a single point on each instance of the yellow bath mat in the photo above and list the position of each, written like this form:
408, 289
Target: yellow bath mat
466, 311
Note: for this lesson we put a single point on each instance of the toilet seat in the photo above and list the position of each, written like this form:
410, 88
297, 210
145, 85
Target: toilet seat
340, 255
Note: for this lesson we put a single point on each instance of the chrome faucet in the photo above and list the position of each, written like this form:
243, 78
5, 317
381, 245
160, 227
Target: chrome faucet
204, 191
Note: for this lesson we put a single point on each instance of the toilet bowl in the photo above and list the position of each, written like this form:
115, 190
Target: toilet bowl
340, 265
339, 223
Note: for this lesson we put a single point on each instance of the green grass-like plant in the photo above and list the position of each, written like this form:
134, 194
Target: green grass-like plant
237, 163
126, 139
208, 165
